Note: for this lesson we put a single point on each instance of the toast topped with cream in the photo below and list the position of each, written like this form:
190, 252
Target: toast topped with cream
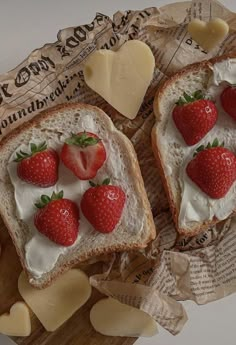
45, 252
194, 141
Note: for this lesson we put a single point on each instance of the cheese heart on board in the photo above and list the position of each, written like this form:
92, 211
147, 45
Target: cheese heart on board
121, 77
17, 323
208, 34
57, 303
110, 317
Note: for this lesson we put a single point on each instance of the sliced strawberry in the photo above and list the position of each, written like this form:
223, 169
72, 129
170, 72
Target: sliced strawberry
194, 117
228, 101
84, 154
58, 219
39, 167
213, 169
102, 205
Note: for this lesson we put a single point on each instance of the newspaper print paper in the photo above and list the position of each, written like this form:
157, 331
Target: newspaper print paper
172, 268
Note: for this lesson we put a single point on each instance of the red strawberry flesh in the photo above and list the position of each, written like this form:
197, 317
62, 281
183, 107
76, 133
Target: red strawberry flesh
103, 206
194, 120
59, 221
40, 169
214, 171
228, 101
84, 162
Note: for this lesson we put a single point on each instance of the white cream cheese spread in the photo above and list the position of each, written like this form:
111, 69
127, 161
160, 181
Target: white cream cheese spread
196, 206
41, 254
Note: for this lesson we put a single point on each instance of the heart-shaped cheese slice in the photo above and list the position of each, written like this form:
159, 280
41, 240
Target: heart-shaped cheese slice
110, 317
17, 323
208, 35
121, 77
57, 303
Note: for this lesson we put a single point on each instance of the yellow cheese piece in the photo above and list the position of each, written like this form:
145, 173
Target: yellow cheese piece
57, 303
17, 323
110, 317
208, 35
121, 77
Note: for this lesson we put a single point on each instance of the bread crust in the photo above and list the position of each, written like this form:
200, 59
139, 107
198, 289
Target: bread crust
205, 64
195, 67
134, 169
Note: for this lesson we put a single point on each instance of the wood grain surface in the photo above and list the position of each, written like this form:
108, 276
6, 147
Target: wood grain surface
76, 331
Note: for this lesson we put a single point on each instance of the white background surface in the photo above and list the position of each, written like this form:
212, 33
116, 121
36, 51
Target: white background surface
28, 24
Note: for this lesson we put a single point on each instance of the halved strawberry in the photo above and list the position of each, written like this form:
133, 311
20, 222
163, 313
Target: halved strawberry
213, 169
194, 116
57, 218
39, 167
84, 154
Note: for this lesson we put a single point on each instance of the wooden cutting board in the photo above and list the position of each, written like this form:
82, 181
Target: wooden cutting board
76, 331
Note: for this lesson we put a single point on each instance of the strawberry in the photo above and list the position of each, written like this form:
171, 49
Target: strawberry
102, 205
83, 153
194, 117
228, 101
39, 167
58, 219
213, 169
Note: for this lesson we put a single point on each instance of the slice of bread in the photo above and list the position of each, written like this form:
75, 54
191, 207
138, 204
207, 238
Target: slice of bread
136, 227
172, 153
